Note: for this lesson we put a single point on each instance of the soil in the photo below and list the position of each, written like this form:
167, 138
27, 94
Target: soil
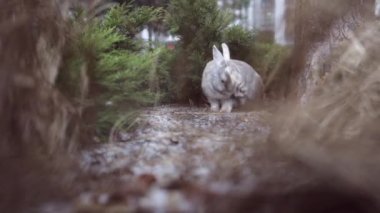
176, 153
187, 159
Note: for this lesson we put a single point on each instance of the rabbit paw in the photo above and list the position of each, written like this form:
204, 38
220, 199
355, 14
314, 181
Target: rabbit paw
227, 106
214, 106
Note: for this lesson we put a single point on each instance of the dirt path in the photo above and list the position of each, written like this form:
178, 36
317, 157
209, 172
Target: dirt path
177, 147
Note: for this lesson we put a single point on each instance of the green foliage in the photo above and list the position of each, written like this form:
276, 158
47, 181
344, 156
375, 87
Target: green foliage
270, 60
96, 39
130, 20
199, 24
133, 77
119, 69
240, 42
237, 34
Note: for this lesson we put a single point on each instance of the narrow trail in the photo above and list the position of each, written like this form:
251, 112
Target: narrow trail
177, 147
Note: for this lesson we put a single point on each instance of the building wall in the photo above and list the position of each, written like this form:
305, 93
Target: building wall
260, 15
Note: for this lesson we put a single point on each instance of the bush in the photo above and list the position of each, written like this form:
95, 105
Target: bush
199, 24
271, 61
240, 42
119, 69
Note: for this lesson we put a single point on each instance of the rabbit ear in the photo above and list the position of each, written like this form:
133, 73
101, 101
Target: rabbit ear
226, 52
217, 55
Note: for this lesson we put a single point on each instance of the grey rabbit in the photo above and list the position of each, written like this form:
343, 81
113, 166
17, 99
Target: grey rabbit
229, 82
247, 83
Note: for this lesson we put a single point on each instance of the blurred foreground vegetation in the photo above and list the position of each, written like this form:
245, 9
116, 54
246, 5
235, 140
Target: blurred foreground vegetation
107, 73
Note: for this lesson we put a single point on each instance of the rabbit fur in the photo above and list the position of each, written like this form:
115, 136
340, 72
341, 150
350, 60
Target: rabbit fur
227, 83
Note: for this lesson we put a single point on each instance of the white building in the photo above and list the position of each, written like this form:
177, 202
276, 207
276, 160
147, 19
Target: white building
263, 15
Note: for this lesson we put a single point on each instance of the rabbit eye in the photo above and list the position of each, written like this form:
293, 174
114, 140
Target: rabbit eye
223, 78
241, 89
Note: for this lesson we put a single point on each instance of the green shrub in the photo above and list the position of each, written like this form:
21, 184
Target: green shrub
199, 24
271, 61
240, 42
130, 77
119, 69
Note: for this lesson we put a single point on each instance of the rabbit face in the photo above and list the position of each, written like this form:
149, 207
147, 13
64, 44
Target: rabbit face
216, 81
222, 83
238, 81
246, 82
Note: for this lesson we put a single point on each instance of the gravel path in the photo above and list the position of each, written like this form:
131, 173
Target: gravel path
173, 154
